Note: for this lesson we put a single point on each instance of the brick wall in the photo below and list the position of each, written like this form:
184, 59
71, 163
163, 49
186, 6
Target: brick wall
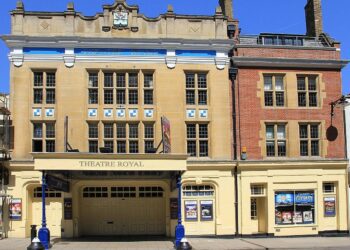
251, 112
289, 53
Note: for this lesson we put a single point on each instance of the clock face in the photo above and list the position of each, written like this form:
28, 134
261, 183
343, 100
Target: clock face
120, 19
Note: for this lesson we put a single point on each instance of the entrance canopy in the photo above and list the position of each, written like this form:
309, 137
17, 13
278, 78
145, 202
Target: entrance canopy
109, 162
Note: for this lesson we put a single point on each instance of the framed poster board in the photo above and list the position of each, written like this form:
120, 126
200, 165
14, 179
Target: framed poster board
329, 206
68, 209
191, 210
173, 208
206, 210
15, 209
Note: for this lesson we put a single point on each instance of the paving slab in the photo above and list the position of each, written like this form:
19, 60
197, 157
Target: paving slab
302, 242
160, 243
222, 244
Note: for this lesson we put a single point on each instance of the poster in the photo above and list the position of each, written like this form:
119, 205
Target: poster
68, 209
286, 217
304, 198
278, 217
16, 209
285, 199
329, 206
206, 210
298, 217
174, 208
191, 210
307, 217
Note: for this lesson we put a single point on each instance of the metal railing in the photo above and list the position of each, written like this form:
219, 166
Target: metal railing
283, 40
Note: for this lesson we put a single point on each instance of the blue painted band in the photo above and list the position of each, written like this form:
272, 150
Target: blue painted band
43, 51
196, 53
121, 52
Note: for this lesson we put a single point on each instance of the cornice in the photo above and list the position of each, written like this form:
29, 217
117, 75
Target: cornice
14, 41
242, 61
17, 55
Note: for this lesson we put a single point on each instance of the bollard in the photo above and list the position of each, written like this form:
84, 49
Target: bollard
33, 232
36, 245
184, 245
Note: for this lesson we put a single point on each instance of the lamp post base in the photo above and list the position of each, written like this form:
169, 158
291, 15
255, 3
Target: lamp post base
44, 236
179, 234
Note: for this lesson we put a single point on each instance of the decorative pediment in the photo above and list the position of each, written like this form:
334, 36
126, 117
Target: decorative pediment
120, 16
121, 4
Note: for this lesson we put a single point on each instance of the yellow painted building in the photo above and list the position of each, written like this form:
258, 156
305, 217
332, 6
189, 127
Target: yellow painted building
87, 98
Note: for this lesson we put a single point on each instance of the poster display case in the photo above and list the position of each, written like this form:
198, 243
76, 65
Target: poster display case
16, 209
294, 207
206, 210
329, 206
191, 210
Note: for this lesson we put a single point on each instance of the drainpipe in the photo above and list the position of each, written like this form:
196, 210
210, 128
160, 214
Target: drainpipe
346, 157
233, 75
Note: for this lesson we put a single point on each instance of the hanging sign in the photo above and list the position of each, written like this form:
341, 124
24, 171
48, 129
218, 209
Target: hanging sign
57, 183
173, 208
191, 210
329, 206
166, 135
68, 209
15, 209
206, 210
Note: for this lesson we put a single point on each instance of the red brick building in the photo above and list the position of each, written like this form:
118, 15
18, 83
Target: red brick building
287, 145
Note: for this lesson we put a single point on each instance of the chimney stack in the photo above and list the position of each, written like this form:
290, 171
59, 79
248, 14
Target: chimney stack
227, 8
314, 21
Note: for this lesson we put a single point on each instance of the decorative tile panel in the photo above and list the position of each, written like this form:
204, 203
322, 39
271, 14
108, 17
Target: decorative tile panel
148, 113
191, 113
203, 113
49, 112
121, 113
36, 112
108, 113
133, 113
92, 113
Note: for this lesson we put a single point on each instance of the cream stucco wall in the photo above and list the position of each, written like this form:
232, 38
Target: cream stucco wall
298, 177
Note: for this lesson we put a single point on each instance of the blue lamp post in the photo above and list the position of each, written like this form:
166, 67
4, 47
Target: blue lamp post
179, 229
44, 232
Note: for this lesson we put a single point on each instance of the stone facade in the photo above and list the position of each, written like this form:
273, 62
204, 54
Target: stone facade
105, 83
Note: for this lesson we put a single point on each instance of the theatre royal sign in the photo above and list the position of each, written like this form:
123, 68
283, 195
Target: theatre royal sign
112, 162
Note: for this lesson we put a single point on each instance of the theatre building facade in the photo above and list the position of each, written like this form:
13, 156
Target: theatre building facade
127, 117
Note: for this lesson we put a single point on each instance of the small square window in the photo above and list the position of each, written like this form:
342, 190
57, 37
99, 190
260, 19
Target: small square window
328, 187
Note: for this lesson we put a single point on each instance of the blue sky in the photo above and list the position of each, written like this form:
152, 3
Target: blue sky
255, 16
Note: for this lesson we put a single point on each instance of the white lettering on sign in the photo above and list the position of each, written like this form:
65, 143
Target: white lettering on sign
113, 164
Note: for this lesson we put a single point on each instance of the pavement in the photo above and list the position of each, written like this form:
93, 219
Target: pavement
157, 243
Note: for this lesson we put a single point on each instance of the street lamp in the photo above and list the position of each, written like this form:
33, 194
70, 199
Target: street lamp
332, 132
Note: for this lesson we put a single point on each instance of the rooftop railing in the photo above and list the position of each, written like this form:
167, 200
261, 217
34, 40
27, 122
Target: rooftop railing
283, 40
